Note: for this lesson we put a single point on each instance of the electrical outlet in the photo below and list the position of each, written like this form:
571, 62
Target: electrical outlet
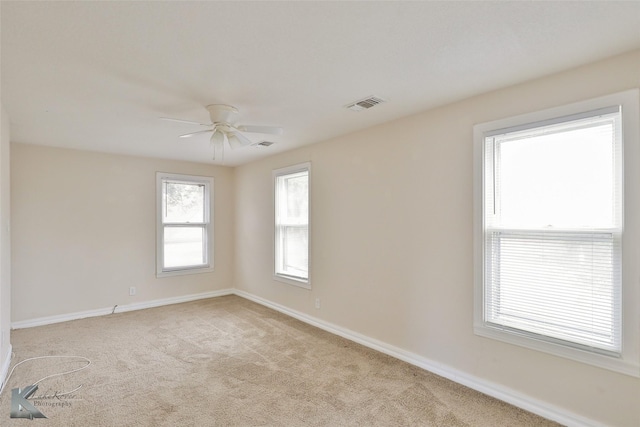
318, 303
132, 291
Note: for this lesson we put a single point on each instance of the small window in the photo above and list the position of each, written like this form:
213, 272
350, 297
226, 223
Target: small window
292, 224
185, 238
549, 238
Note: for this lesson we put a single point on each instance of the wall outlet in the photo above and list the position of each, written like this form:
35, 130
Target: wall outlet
132, 291
318, 303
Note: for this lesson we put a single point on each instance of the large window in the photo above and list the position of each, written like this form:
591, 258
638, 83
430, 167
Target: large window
292, 224
184, 232
550, 232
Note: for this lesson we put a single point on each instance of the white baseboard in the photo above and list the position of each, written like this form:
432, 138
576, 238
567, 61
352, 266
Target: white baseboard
41, 321
173, 300
544, 409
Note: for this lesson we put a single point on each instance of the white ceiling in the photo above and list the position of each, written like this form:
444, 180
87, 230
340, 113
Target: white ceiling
97, 75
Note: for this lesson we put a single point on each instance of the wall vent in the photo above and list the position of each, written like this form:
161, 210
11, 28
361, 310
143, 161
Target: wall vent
365, 104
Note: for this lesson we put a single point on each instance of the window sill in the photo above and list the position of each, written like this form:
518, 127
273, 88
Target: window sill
183, 272
612, 363
301, 283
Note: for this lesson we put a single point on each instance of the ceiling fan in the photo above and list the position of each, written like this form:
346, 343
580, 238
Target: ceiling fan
223, 127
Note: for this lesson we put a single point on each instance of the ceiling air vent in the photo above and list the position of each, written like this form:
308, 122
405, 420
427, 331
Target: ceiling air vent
265, 143
364, 104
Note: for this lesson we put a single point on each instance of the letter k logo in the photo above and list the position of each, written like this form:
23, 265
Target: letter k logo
21, 407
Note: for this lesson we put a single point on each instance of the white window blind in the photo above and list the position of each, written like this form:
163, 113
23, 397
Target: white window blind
552, 201
292, 223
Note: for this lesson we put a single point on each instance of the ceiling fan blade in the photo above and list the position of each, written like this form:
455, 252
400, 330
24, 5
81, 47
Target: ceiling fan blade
187, 135
238, 140
272, 130
217, 138
185, 121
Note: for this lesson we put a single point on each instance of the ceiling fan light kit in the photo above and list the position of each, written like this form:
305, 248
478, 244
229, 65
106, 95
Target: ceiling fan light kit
223, 127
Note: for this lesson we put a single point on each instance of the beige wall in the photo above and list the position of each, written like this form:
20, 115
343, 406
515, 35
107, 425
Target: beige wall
5, 239
392, 241
84, 231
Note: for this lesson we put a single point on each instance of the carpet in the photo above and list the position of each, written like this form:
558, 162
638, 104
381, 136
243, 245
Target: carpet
228, 361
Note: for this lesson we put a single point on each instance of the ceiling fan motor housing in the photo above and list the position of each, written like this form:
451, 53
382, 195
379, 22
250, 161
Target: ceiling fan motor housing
220, 113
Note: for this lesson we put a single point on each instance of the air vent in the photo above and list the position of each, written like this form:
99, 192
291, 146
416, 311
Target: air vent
265, 143
364, 104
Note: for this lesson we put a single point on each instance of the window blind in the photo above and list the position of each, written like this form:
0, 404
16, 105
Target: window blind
556, 284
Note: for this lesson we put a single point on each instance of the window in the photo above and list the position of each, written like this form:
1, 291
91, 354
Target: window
292, 224
185, 235
550, 236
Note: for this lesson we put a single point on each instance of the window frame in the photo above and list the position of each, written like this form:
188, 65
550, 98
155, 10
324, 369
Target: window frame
628, 361
207, 224
285, 278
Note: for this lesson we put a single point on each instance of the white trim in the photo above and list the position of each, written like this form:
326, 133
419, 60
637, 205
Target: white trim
48, 320
208, 224
4, 370
301, 283
505, 394
289, 170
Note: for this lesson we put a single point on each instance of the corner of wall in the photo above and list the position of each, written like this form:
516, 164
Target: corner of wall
5, 244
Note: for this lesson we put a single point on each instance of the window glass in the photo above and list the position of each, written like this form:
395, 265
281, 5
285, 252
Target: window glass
558, 179
184, 202
184, 246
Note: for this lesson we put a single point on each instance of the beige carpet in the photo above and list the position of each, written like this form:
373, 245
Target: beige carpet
230, 362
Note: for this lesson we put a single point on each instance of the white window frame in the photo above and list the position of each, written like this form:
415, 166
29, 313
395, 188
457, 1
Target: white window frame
290, 279
207, 225
628, 360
